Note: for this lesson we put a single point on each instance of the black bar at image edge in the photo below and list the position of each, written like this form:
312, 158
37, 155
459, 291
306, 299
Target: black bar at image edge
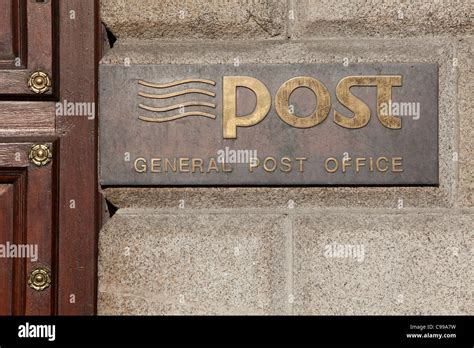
451, 331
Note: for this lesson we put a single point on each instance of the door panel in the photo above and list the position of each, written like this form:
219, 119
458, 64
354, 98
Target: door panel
27, 232
12, 233
7, 54
7, 214
26, 46
12, 33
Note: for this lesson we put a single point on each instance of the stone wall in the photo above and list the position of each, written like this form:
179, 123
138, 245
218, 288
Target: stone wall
264, 250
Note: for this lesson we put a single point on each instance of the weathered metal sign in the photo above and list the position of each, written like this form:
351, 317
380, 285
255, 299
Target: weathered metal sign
299, 124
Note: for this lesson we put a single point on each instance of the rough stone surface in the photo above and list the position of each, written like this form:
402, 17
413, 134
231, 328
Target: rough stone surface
196, 19
466, 124
413, 264
153, 263
466, 183
317, 51
343, 18
198, 262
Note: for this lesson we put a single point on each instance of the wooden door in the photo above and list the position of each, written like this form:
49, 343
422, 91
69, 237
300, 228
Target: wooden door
27, 232
48, 56
26, 46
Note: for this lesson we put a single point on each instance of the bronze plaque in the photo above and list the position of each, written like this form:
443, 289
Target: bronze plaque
269, 124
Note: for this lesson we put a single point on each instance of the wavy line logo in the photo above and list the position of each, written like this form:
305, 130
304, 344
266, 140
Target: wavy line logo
178, 106
231, 121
